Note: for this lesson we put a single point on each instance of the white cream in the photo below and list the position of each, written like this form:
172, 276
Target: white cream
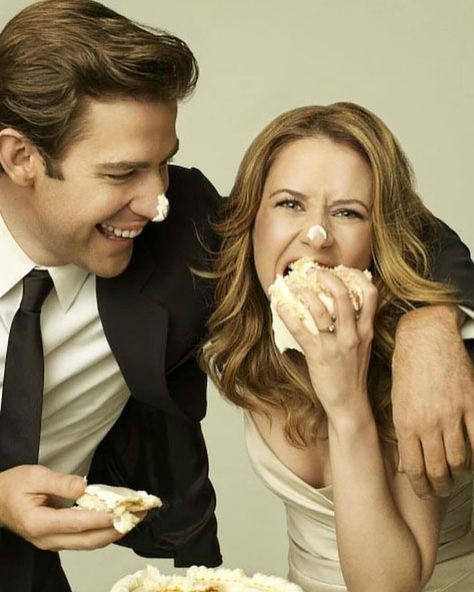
162, 208
202, 579
315, 230
123, 502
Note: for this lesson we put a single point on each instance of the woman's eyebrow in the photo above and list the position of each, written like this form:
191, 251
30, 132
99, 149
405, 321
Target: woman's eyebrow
350, 201
290, 191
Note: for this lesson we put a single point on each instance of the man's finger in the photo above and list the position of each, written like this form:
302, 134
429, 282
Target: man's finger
411, 463
94, 539
469, 426
51, 521
43, 480
436, 467
455, 449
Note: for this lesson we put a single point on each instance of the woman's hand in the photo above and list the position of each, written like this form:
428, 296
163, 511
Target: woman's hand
337, 360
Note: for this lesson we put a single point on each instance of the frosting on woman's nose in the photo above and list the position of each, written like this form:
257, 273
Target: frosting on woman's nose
315, 230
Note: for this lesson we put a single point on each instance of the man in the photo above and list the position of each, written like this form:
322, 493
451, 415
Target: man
85, 147
87, 129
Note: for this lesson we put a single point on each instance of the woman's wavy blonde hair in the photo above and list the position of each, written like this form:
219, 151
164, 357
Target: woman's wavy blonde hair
241, 357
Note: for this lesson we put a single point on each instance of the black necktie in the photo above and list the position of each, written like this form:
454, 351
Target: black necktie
22, 397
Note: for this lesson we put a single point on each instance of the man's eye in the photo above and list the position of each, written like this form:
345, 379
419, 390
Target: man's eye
290, 204
120, 177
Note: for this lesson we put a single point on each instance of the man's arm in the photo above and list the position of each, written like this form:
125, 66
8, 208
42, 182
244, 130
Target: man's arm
433, 398
433, 379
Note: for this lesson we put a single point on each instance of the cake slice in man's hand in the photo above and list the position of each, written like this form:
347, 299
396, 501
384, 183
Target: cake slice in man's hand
124, 503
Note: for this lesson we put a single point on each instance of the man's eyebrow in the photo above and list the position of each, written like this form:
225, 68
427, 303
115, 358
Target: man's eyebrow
135, 164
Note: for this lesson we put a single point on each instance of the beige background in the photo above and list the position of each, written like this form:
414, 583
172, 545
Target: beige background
410, 61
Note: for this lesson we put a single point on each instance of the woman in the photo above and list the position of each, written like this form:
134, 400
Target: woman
318, 426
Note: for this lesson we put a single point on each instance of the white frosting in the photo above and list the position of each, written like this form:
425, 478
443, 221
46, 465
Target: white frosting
299, 276
162, 208
123, 502
202, 579
315, 230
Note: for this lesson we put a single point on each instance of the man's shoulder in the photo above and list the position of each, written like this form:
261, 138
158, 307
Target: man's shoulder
194, 202
190, 183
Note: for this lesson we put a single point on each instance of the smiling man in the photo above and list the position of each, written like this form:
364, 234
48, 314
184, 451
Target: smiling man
88, 105
104, 192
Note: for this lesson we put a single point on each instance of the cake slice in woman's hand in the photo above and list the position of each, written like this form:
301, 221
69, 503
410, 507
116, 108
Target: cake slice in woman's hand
301, 276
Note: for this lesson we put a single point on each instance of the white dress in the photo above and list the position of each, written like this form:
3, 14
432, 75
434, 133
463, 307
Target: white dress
313, 555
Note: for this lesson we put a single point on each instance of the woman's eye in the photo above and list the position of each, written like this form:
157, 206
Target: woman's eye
290, 204
346, 213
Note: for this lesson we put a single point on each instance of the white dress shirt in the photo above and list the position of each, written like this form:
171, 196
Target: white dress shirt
84, 390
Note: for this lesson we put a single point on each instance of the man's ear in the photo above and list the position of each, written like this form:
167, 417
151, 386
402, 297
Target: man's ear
18, 157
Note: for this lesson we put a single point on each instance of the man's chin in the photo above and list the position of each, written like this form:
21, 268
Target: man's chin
110, 269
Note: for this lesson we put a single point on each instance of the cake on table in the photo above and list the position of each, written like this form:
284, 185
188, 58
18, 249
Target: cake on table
202, 579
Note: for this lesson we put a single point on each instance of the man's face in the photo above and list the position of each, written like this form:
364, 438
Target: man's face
112, 178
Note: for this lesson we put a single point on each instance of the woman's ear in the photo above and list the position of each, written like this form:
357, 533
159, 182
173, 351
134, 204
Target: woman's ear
18, 157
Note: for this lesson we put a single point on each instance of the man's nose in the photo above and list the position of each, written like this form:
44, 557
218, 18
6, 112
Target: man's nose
145, 203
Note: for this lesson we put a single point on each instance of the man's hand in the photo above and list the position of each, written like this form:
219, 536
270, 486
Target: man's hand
433, 398
25, 509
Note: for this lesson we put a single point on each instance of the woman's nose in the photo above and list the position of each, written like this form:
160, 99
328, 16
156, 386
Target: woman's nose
316, 235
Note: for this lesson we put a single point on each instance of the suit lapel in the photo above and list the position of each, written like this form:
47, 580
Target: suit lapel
135, 325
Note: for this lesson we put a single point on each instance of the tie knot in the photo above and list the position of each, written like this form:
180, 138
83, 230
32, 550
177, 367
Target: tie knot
36, 286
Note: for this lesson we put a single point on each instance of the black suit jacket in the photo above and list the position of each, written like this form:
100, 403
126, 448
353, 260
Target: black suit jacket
452, 263
154, 317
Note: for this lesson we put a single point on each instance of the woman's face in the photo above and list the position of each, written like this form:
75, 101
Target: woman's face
314, 181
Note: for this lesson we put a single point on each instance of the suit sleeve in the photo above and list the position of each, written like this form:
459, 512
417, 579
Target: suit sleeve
157, 443
452, 264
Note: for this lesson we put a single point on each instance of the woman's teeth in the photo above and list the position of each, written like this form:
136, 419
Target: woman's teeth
111, 231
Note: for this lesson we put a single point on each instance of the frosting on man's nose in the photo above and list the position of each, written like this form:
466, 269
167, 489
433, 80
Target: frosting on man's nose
315, 230
162, 208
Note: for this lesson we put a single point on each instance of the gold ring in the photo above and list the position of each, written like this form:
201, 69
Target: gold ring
330, 329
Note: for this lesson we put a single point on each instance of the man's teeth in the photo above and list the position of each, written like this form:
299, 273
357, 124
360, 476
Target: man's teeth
111, 230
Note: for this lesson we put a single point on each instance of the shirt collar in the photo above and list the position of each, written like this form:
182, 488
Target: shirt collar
67, 279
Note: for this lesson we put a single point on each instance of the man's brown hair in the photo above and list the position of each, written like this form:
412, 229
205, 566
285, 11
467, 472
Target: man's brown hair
55, 54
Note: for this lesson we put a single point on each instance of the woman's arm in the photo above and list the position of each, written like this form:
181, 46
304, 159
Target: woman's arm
387, 538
